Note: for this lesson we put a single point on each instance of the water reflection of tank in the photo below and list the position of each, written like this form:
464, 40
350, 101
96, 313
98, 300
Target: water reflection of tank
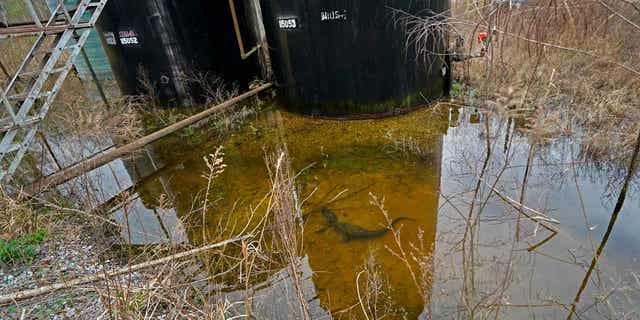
351, 159
337, 260
167, 42
148, 215
275, 298
353, 168
337, 58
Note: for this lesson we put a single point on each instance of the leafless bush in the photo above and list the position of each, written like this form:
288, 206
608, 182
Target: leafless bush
120, 122
287, 216
209, 89
16, 218
373, 290
426, 34
147, 87
410, 146
570, 61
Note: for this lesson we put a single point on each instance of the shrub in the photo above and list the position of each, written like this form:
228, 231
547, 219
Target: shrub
25, 247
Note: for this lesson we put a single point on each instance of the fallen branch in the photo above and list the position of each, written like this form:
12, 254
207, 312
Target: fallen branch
537, 216
100, 160
26, 294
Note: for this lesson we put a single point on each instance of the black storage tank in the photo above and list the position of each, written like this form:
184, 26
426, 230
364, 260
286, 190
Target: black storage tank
350, 57
170, 41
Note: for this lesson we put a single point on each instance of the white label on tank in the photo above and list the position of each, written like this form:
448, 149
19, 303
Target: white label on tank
333, 15
128, 37
110, 38
288, 23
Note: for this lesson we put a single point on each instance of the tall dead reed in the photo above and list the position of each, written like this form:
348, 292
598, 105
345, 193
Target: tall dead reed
287, 218
561, 62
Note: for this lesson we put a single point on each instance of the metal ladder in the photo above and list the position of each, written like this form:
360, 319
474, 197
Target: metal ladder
29, 94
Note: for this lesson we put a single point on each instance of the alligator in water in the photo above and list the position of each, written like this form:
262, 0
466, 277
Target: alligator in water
350, 231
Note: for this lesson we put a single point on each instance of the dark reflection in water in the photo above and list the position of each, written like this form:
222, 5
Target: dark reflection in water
345, 162
112, 182
425, 165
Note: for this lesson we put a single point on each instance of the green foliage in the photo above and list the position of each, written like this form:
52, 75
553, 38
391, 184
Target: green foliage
464, 93
25, 247
189, 132
456, 89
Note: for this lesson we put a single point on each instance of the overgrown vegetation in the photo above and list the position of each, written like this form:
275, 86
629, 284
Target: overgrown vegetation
567, 67
23, 248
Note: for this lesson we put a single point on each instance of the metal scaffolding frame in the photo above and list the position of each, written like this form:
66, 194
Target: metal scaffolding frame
31, 89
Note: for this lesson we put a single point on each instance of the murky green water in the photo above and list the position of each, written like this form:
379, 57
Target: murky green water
425, 165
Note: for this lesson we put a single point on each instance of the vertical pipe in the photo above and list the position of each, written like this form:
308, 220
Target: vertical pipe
236, 27
261, 36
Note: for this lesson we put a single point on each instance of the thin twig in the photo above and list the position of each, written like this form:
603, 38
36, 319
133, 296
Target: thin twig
22, 295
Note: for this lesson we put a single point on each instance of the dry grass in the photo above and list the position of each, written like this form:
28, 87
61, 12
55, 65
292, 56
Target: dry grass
169, 291
287, 219
121, 122
17, 219
570, 66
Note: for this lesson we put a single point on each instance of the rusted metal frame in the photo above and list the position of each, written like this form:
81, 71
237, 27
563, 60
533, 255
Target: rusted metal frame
8, 107
30, 55
6, 145
32, 52
31, 29
7, 140
21, 124
64, 10
63, 75
24, 146
16, 32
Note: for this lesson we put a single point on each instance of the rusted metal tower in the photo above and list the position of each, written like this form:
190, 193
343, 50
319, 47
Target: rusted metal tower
29, 91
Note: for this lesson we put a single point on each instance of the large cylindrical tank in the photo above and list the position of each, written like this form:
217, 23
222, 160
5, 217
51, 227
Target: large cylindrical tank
170, 46
352, 57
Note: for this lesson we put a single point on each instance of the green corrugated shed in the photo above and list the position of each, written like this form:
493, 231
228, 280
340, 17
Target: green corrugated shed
94, 49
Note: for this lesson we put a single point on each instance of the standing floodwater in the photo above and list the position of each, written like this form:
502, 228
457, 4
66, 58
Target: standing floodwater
421, 170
